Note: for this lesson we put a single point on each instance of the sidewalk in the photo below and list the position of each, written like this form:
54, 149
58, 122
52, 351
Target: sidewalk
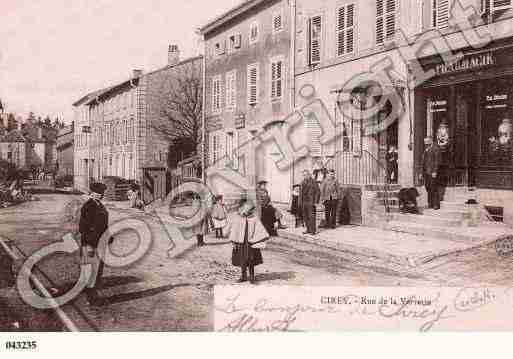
396, 248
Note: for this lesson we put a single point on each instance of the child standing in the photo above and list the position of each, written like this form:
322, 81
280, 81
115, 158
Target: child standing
294, 208
219, 216
247, 235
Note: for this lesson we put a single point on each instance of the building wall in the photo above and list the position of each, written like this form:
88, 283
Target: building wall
81, 149
113, 128
64, 148
227, 122
415, 19
17, 150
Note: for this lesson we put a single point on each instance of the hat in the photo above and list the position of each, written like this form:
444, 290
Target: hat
262, 182
98, 187
331, 171
296, 185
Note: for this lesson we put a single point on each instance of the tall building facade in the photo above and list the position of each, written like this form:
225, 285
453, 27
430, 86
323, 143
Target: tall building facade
247, 92
123, 129
465, 106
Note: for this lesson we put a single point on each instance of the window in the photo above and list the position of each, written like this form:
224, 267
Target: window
232, 144
315, 34
277, 22
492, 9
345, 29
385, 20
216, 148
253, 78
440, 13
219, 48
253, 33
216, 94
276, 79
125, 131
231, 90
234, 42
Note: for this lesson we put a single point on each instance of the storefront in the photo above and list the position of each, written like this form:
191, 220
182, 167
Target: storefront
467, 108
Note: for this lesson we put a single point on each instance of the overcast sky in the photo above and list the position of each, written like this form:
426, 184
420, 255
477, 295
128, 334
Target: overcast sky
54, 51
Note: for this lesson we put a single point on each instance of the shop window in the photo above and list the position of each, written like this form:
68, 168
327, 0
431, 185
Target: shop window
497, 125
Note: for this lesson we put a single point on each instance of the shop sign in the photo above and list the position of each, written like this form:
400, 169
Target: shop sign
467, 63
438, 106
496, 101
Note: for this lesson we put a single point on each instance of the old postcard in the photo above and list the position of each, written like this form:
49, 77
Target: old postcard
256, 166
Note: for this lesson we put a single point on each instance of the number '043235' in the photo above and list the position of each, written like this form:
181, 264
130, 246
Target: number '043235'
21, 345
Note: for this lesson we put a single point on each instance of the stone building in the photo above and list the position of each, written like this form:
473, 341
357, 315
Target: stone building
120, 138
465, 106
248, 92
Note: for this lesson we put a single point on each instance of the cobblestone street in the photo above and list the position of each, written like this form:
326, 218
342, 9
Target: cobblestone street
162, 294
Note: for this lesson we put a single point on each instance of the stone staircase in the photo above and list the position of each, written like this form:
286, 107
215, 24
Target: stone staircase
455, 220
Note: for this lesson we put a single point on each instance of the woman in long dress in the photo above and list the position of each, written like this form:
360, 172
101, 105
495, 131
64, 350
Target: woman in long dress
248, 236
219, 216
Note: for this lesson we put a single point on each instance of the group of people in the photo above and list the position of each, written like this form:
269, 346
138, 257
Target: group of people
307, 195
12, 191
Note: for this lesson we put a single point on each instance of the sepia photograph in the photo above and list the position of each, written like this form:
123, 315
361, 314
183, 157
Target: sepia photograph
251, 166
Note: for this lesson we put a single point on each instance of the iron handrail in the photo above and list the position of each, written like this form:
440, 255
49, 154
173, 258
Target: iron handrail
369, 170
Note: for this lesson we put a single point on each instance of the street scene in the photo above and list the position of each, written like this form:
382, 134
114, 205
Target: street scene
354, 144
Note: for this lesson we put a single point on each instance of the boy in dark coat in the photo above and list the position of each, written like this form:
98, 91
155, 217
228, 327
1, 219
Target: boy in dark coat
94, 221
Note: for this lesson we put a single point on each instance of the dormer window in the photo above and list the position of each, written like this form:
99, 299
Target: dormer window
234, 42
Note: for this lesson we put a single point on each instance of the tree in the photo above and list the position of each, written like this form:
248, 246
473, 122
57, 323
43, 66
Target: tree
177, 101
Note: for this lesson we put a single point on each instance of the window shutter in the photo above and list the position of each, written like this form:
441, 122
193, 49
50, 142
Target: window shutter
345, 29
315, 39
277, 23
231, 90
442, 8
276, 79
385, 20
235, 150
252, 84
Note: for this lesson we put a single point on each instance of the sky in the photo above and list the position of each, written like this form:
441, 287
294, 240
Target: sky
52, 52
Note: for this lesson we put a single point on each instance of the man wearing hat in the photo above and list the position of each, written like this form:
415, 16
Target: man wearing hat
330, 195
431, 160
94, 221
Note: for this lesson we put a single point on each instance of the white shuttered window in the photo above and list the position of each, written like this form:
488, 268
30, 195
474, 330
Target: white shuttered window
345, 29
386, 17
216, 94
441, 13
276, 79
315, 38
231, 90
252, 81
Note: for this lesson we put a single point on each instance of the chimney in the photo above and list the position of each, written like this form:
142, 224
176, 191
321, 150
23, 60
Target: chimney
173, 55
136, 73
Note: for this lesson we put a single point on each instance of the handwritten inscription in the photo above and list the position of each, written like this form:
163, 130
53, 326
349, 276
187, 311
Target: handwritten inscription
424, 312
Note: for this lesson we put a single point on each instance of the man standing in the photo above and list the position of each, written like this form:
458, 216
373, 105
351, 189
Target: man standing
309, 197
94, 221
431, 160
330, 195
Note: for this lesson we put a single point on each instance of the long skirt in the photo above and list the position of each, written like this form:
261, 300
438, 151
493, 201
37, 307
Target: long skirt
268, 218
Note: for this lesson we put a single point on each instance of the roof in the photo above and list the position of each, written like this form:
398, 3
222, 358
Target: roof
183, 62
86, 98
230, 15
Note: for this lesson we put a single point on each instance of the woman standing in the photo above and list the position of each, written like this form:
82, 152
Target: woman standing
248, 236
